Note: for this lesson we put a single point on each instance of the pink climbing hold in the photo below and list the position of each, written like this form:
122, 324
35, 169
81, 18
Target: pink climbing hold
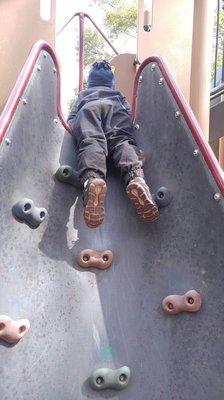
12, 331
190, 301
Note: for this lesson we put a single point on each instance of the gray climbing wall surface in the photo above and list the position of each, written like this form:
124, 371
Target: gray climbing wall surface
84, 320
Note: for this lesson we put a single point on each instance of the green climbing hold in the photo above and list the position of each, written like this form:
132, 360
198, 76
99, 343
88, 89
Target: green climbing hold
67, 174
106, 378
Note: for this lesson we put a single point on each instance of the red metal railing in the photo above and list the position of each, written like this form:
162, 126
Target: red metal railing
186, 111
82, 17
25, 75
22, 82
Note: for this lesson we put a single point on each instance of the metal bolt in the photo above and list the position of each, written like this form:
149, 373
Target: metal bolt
217, 196
24, 102
39, 68
137, 126
122, 377
195, 152
56, 121
45, 55
177, 114
161, 81
153, 67
140, 78
8, 141
99, 380
54, 69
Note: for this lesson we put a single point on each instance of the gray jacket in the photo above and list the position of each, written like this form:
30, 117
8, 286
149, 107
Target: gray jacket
98, 93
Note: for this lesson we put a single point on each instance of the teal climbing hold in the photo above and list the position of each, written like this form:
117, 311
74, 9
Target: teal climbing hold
66, 174
106, 378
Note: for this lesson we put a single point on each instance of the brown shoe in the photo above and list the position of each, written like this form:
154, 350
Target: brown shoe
139, 193
93, 198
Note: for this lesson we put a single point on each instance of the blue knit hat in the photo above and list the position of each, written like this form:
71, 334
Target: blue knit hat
101, 75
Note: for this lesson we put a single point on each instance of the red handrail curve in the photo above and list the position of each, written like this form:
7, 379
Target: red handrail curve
26, 72
85, 15
187, 113
22, 82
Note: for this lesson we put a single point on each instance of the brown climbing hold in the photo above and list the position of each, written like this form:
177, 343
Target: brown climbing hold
95, 259
12, 331
190, 301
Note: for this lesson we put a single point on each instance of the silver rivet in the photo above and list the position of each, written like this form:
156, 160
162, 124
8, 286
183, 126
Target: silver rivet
140, 78
45, 55
24, 102
137, 126
54, 69
38, 68
8, 141
195, 152
161, 81
153, 67
177, 114
217, 196
56, 121
99, 380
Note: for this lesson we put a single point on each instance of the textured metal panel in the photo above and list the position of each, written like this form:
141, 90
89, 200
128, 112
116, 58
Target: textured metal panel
83, 320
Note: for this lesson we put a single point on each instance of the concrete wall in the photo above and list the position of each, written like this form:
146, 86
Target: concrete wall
182, 34
201, 62
170, 37
125, 73
20, 27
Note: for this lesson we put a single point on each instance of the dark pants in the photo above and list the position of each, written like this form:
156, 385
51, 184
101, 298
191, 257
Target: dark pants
103, 128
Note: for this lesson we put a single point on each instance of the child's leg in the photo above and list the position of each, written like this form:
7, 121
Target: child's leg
91, 148
122, 146
123, 149
91, 144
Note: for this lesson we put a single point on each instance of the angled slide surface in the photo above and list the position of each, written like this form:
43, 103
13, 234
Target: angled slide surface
84, 320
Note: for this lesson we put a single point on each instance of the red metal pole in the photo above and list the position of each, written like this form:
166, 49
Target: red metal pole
81, 41
81, 50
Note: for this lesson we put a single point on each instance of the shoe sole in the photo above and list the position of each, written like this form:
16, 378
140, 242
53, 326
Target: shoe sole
146, 209
94, 210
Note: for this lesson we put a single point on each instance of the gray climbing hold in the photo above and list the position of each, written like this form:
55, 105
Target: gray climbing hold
162, 197
67, 174
106, 378
25, 211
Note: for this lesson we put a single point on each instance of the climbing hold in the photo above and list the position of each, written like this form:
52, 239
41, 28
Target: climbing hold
162, 197
67, 174
95, 259
12, 331
25, 211
106, 378
190, 301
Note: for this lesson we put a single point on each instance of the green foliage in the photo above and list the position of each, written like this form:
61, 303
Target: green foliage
94, 47
122, 20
